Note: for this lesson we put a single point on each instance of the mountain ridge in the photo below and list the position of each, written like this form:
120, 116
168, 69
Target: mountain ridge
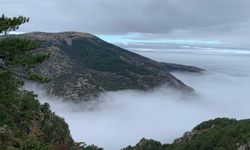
82, 65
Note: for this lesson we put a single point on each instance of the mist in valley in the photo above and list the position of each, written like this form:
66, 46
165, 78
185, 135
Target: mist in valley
118, 119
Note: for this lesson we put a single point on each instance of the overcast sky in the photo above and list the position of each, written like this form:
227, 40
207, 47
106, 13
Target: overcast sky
223, 23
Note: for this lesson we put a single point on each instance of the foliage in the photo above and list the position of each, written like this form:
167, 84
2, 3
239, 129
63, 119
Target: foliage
104, 57
26, 117
11, 24
217, 134
145, 144
220, 133
17, 53
34, 144
26, 124
37, 77
84, 146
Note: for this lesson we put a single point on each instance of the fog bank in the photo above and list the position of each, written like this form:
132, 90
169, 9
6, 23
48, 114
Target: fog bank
118, 119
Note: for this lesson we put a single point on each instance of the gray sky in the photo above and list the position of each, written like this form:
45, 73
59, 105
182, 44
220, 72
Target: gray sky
224, 21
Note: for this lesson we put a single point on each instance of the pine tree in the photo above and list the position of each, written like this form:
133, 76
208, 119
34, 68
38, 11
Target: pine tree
24, 122
17, 53
11, 24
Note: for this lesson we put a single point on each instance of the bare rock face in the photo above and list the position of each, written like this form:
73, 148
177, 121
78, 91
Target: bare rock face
82, 65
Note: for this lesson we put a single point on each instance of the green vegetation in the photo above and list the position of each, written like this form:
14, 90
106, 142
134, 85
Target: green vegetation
17, 57
217, 134
11, 24
103, 57
145, 144
26, 124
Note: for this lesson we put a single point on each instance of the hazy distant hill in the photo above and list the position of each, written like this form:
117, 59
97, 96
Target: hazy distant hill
81, 65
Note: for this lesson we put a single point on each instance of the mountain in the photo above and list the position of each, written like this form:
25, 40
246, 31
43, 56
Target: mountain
217, 134
82, 65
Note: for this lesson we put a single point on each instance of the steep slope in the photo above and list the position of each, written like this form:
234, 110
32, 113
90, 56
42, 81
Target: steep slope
24, 122
82, 65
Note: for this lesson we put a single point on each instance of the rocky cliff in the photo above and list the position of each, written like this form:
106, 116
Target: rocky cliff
81, 65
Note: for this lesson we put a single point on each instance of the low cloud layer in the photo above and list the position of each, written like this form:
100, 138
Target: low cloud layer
118, 119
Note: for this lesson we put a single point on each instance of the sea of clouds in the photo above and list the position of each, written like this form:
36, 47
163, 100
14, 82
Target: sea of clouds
122, 118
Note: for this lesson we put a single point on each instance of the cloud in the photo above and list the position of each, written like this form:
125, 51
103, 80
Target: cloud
212, 20
163, 114
142, 16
